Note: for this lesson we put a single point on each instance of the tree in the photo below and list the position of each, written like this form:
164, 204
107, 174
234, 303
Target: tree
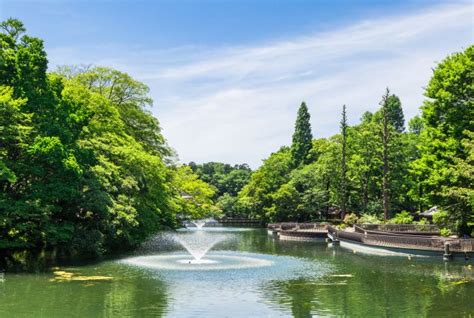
364, 162
226, 178
257, 196
302, 137
343, 162
415, 125
395, 113
195, 196
444, 141
385, 103
82, 162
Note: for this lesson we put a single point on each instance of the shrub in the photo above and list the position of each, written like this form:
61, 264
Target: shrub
369, 219
350, 219
341, 226
401, 218
423, 221
441, 218
446, 232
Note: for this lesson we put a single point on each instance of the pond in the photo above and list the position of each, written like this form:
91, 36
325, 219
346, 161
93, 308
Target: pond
247, 273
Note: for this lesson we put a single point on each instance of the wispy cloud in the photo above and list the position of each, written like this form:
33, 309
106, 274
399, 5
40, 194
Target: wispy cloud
238, 104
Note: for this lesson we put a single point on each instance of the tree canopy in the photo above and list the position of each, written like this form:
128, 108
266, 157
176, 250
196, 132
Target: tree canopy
302, 137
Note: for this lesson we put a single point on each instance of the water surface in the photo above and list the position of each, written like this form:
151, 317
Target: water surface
257, 276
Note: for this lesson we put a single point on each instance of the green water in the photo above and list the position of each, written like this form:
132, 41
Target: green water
304, 279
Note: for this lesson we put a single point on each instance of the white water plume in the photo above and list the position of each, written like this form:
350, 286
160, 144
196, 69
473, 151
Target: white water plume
198, 244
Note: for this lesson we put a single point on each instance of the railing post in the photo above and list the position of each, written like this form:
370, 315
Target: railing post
447, 253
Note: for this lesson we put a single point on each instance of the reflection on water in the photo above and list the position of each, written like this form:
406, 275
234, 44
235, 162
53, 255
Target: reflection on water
304, 279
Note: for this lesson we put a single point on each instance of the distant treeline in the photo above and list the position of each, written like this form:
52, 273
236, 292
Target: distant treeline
379, 167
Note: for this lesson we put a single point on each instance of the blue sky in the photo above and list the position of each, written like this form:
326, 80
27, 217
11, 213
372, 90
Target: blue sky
228, 76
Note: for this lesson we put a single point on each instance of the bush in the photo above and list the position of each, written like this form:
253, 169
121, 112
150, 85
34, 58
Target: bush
350, 219
369, 219
341, 226
446, 232
401, 218
423, 221
441, 218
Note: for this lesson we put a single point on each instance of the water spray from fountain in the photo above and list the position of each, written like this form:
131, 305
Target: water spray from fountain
198, 244
199, 223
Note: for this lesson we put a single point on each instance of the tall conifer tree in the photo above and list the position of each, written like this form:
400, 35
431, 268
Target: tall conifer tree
343, 162
395, 113
385, 158
302, 137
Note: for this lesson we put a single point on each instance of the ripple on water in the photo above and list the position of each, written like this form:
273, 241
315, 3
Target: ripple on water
233, 264
185, 262
215, 229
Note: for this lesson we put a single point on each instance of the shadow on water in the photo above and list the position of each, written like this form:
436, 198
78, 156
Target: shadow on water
108, 290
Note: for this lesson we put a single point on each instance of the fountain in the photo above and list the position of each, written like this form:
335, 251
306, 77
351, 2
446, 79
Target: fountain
199, 223
198, 245
199, 257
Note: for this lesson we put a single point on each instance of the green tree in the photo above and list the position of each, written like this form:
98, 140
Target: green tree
343, 162
256, 198
302, 137
445, 138
386, 136
395, 113
82, 162
195, 196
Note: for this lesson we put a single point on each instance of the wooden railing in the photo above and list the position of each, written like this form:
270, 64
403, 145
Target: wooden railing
312, 227
414, 228
288, 226
306, 227
404, 240
239, 222
359, 229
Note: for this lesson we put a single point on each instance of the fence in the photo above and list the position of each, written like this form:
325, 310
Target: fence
413, 228
399, 240
304, 227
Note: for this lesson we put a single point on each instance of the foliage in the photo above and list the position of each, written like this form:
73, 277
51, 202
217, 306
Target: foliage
224, 177
228, 180
441, 218
82, 162
444, 168
395, 113
257, 197
228, 205
422, 221
302, 137
369, 219
445, 232
195, 200
403, 217
343, 162
350, 219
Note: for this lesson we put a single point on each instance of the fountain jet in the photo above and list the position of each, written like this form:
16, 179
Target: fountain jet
199, 244
199, 223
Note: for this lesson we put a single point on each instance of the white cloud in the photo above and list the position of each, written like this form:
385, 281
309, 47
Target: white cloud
238, 104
